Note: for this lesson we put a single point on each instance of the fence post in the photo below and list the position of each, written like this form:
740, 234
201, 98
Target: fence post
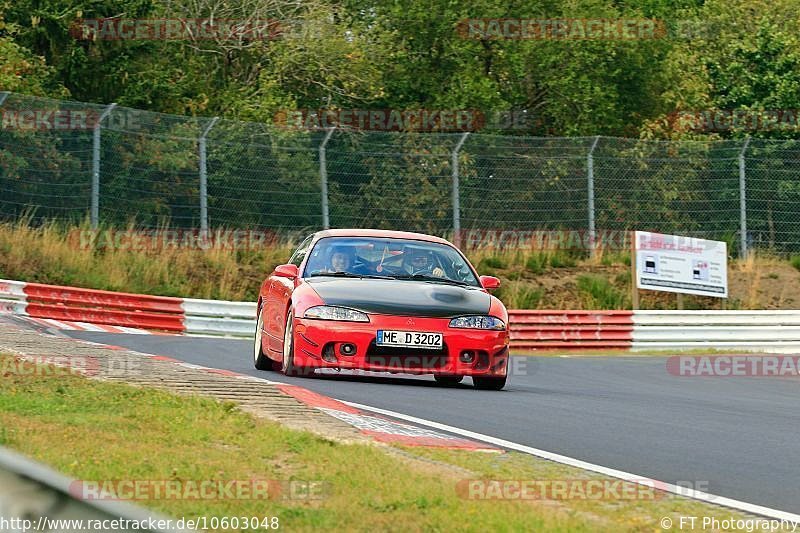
590, 193
3, 96
323, 178
456, 191
743, 202
204, 179
94, 214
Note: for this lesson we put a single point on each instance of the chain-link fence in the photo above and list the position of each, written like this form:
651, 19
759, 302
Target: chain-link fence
68, 161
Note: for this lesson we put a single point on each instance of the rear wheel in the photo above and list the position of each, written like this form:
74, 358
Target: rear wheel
262, 362
288, 367
442, 379
489, 383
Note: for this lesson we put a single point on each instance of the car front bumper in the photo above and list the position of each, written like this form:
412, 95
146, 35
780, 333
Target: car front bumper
319, 343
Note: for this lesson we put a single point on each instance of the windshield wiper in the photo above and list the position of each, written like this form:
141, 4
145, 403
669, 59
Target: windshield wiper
424, 277
348, 275
334, 274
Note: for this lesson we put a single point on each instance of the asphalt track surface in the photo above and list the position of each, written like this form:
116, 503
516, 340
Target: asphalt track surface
733, 437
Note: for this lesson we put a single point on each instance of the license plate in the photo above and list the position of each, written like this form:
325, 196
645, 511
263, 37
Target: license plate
409, 339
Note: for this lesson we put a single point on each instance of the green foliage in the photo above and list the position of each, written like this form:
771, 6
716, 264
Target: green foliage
520, 295
493, 262
410, 55
370, 54
600, 293
538, 262
21, 70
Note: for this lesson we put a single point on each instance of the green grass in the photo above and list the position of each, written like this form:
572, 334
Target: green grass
520, 295
599, 293
493, 262
539, 262
562, 261
96, 431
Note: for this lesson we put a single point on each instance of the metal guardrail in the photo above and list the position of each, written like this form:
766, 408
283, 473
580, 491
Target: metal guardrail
187, 315
774, 331
544, 329
777, 331
30, 491
219, 317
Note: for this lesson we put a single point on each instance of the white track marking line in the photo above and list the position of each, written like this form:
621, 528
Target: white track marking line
59, 325
89, 327
619, 474
38, 321
133, 331
108, 328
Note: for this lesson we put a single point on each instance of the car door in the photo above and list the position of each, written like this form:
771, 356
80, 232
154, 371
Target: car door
280, 292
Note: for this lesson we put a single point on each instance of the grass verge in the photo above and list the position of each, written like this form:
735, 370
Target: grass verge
96, 431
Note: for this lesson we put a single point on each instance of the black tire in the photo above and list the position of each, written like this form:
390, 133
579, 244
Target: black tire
446, 380
288, 367
261, 361
489, 383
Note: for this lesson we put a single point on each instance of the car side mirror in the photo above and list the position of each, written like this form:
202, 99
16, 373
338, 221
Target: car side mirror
489, 283
287, 271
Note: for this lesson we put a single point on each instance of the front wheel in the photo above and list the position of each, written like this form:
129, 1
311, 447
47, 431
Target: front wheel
288, 368
261, 361
489, 383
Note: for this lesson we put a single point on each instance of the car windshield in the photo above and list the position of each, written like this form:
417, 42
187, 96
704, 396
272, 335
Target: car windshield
390, 258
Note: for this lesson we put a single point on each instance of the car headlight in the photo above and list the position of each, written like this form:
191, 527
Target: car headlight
330, 312
477, 322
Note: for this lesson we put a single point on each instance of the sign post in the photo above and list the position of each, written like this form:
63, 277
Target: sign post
634, 288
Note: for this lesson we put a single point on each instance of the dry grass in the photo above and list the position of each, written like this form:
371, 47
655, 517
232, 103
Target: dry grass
53, 254
549, 279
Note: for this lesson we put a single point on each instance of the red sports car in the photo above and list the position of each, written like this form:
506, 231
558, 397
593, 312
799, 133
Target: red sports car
386, 301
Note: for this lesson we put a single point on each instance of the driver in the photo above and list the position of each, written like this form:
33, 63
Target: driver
417, 261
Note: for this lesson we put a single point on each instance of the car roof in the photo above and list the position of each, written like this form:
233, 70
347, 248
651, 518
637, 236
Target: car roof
379, 233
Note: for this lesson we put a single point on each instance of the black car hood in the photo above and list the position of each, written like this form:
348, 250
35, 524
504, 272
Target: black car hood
396, 297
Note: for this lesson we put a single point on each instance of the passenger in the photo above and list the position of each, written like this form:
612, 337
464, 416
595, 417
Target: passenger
341, 260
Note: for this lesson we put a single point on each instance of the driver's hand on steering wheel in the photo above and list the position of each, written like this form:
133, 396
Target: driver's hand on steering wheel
438, 272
